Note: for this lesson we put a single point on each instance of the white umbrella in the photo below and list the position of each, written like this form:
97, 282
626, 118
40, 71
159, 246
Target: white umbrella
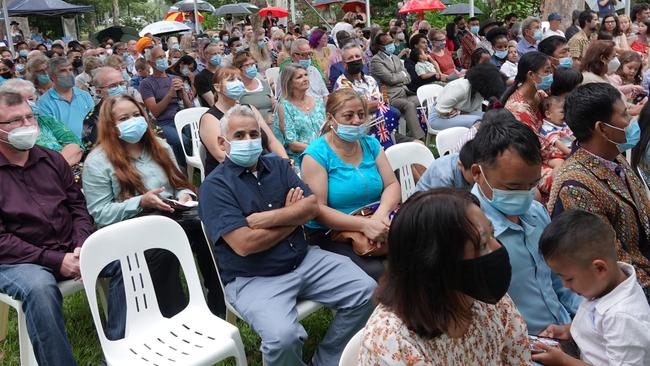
164, 27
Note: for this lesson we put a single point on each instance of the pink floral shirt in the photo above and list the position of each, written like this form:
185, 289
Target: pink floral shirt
496, 336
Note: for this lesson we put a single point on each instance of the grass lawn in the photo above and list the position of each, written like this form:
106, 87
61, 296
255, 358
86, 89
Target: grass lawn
85, 344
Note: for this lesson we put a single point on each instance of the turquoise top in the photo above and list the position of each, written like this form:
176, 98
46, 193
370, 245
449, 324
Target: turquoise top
348, 187
102, 189
72, 113
298, 125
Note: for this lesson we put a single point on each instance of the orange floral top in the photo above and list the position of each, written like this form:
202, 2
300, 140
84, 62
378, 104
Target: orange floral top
496, 336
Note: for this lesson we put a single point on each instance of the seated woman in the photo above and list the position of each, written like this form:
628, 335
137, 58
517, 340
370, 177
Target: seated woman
460, 102
184, 68
443, 300
443, 57
299, 117
53, 135
228, 89
498, 38
344, 157
257, 91
420, 42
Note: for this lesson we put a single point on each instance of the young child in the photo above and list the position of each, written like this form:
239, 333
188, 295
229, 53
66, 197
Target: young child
142, 71
628, 77
509, 68
612, 325
423, 66
555, 132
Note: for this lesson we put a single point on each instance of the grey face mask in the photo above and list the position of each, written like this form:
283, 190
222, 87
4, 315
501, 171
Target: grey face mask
66, 81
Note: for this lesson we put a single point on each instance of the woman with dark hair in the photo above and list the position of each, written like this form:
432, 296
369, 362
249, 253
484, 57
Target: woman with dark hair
452, 43
565, 80
610, 24
321, 51
184, 68
7, 70
498, 38
443, 299
641, 152
640, 44
459, 103
419, 46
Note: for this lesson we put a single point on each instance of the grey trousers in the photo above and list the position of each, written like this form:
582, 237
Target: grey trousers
268, 304
407, 105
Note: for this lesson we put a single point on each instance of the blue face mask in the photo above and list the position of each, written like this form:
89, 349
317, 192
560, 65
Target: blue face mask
215, 60
234, 89
102, 57
118, 90
261, 44
501, 54
538, 35
185, 71
65, 81
239, 48
474, 29
161, 65
389, 48
566, 62
245, 153
632, 135
125, 75
351, 133
216, 39
133, 129
43, 79
305, 63
23, 53
512, 203
251, 71
20, 67
546, 82
226, 38
176, 46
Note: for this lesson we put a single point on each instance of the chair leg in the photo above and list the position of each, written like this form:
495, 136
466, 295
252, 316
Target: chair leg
27, 357
4, 320
240, 354
231, 317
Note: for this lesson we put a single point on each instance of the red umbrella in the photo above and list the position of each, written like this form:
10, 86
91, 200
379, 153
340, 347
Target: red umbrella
419, 6
351, 5
274, 12
179, 16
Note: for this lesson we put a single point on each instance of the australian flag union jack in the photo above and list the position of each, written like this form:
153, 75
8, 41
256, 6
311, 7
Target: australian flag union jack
385, 122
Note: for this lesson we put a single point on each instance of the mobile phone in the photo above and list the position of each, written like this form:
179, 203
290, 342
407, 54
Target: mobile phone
178, 205
532, 339
639, 98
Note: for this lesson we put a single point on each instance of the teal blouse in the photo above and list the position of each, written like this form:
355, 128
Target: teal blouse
298, 125
348, 187
54, 134
102, 188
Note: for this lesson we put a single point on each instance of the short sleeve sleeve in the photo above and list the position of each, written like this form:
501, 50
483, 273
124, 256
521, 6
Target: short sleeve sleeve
145, 89
373, 146
219, 209
317, 150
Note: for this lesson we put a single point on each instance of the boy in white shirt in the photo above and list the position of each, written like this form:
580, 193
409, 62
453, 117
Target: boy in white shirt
612, 326
509, 68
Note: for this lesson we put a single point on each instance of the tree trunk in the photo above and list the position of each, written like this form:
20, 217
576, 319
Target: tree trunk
564, 7
116, 14
256, 20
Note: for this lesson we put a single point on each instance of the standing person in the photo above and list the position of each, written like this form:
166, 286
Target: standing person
253, 208
213, 52
388, 70
64, 101
606, 7
578, 44
597, 177
451, 42
431, 316
161, 94
469, 42
554, 21
531, 30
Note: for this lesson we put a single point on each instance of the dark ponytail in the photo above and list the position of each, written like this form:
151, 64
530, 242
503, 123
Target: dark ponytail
532, 61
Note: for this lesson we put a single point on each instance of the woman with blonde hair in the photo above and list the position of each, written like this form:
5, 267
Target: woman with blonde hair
346, 156
131, 172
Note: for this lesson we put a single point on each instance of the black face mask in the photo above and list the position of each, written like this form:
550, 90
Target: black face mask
76, 63
7, 75
424, 31
486, 278
355, 67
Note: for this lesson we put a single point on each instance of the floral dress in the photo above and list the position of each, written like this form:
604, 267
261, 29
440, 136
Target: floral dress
496, 336
299, 126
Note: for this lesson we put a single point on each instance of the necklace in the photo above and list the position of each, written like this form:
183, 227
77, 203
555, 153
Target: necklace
341, 151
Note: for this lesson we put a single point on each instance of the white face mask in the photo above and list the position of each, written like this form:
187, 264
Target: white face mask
22, 138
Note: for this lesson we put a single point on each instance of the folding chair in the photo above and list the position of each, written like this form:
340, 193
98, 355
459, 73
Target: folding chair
191, 117
192, 337
401, 157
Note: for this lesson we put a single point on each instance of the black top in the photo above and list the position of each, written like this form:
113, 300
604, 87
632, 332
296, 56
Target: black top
210, 161
203, 84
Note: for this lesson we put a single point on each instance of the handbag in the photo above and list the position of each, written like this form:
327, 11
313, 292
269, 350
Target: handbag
360, 243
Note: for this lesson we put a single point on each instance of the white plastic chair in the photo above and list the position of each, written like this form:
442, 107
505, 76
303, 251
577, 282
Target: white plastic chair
191, 116
447, 139
27, 357
304, 308
430, 94
350, 355
401, 157
192, 337
272, 75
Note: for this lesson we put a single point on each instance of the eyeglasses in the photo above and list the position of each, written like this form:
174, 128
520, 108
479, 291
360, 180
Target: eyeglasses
19, 121
114, 85
303, 54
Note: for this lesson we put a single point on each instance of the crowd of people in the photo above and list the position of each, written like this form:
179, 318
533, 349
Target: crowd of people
487, 263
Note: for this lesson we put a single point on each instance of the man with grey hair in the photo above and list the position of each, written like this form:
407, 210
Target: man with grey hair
253, 208
301, 54
64, 101
531, 34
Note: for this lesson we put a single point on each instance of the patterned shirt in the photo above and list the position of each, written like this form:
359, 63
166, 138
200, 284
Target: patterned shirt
578, 44
299, 126
367, 87
54, 135
496, 336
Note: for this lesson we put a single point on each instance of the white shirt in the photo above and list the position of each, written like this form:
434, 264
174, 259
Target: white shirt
550, 32
317, 87
457, 95
615, 329
509, 69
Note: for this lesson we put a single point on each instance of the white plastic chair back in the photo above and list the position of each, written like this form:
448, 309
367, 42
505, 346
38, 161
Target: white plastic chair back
447, 139
192, 337
304, 308
191, 117
401, 157
272, 75
350, 355
429, 93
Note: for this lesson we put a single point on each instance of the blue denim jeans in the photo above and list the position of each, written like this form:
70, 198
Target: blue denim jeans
36, 287
461, 120
171, 136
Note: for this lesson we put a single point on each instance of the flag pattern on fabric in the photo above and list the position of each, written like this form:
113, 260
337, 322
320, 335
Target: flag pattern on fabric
383, 125
422, 118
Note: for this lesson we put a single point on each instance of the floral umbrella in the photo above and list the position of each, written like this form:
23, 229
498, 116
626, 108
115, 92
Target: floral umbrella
179, 16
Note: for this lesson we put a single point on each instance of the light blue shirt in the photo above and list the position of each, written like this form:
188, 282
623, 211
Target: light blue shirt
523, 47
443, 172
535, 289
71, 114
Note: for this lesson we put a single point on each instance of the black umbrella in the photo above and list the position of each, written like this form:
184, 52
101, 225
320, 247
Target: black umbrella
318, 3
188, 5
117, 34
232, 9
460, 9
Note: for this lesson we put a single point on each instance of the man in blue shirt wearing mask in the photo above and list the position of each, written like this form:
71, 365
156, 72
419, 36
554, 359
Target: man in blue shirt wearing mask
506, 171
531, 35
253, 208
